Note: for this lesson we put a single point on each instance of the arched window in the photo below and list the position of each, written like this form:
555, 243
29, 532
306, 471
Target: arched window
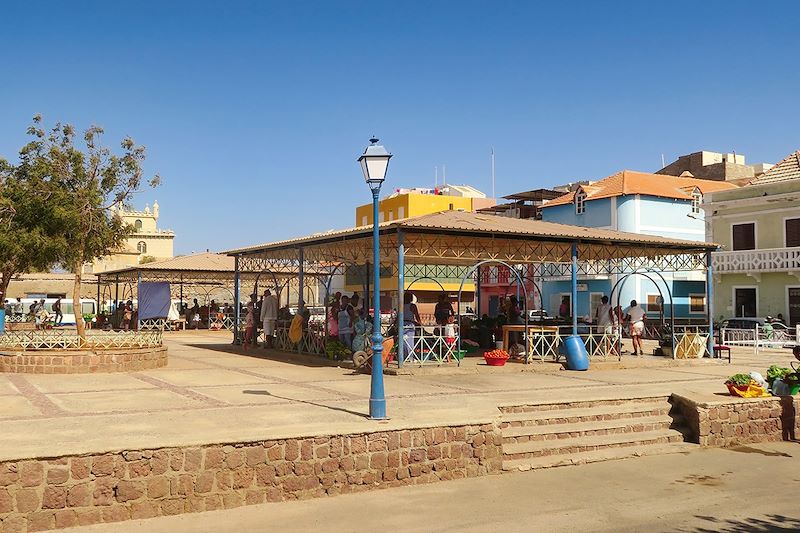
142, 247
137, 224
580, 202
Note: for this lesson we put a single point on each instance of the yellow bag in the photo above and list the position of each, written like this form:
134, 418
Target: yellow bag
753, 391
296, 329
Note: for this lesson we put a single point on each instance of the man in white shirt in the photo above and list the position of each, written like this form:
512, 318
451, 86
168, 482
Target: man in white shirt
602, 316
269, 316
636, 316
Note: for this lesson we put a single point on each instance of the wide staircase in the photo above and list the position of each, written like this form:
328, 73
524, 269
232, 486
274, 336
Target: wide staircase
559, 434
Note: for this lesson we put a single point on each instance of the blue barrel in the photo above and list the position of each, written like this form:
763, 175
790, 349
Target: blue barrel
575, 351
2, 321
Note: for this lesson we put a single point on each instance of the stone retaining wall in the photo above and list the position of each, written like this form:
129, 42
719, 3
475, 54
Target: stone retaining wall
61, 492
739, 420
83, 361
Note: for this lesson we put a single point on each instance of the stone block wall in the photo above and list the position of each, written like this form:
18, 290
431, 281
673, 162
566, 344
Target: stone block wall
60, 492
83, 362
740, 421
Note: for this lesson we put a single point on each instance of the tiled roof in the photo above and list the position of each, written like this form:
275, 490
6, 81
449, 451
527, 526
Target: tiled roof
631, 182
203, 262
462, 222
788, 169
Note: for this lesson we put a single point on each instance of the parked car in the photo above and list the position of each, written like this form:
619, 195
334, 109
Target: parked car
538, 315
750, 322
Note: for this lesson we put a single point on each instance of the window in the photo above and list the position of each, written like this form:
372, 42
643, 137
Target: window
580, 202
654, 302
594, 301
137, 224
697, 303
697, 200
380, 217
391, 214
744, 236
364, 220
401, 212
142, 247
792, 232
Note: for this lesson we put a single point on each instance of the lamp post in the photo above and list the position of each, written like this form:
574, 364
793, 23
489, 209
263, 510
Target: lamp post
374, 162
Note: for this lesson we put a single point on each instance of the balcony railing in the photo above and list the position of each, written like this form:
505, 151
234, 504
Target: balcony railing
764, 260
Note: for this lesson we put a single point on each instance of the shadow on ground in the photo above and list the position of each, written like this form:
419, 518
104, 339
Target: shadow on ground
307, 402
768, 523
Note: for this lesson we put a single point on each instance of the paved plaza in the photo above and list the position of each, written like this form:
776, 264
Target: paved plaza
212, 392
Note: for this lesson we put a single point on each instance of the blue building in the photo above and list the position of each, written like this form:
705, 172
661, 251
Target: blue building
636, 202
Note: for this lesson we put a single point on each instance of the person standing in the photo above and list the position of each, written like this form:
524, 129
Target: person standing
345, 322
249, 323
59, 316
411, 321
636, 316
19, 309
602, 316
269, 316
443, 310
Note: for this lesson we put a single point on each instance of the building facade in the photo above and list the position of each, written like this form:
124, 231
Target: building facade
637, 202
715, 166
426, 282
757, 270
146, 241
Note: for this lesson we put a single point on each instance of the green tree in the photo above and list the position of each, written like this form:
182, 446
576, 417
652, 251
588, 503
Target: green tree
31, 232
94, 181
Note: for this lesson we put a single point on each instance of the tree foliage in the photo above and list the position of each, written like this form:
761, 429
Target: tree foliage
31, 227
90, 181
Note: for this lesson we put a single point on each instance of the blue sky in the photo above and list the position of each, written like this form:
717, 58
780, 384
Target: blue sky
254, 112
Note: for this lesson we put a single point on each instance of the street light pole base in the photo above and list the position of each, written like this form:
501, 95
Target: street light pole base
377, 409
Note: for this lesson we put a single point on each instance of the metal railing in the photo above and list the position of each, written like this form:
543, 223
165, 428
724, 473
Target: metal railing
69, 340
763, 260
428, 344
759, 337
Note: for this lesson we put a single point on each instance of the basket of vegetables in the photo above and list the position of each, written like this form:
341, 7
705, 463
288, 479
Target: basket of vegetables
740, 382
495, 357
337, 351
777, 372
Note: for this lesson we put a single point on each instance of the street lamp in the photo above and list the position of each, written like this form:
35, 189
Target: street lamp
374, 162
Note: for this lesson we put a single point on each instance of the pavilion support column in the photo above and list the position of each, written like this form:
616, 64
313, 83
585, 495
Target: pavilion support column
574, 288
237, 298
401, 294
300, 290
478, 293
116, 301
710, 303
365, 301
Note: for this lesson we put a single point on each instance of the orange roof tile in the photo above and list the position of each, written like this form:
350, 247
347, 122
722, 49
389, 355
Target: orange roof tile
629, 182
787, 169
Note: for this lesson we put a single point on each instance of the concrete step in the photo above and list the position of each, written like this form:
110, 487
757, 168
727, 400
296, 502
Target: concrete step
580, 404
551, 432
570, 415
605, 454
572, 445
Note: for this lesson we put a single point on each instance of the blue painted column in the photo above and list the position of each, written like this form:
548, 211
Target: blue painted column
401, 294
710, 303
236, 299
574, 288
300, 290
377, 397
478, 293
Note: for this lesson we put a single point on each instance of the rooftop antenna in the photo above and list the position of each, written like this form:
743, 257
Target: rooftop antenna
493, 196
435, 176
663, 164
444, 173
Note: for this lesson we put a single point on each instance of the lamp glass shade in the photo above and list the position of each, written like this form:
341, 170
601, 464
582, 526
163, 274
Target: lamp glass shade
374, 162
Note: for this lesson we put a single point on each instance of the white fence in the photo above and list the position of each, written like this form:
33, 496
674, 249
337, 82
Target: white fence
760, 337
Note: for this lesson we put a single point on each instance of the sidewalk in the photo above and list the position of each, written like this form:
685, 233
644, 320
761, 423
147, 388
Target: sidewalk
741, 489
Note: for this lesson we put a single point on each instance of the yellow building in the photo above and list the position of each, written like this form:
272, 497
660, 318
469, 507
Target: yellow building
147, 240
407, 203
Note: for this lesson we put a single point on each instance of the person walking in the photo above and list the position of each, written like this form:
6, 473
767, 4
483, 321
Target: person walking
604, 324
59, 316
269, 316
636, 316
411, 321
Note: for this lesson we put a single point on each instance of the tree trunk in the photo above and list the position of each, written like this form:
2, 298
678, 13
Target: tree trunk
4, 287
76, 302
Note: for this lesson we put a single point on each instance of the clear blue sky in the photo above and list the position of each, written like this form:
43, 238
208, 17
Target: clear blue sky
254, 112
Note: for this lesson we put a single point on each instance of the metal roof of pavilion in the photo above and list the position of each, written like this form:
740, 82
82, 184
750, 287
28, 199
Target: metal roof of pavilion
203, 267
442, 237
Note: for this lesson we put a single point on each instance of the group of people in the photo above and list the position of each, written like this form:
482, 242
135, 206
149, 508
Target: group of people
37, 312
343, 316
609, 320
